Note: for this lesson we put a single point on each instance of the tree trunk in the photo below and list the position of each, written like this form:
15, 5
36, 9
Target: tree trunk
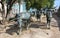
9, 7
3, 12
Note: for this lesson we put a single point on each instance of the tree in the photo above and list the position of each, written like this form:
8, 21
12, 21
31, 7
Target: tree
58, 13
39, 3
8, 2
2, 12
9, 5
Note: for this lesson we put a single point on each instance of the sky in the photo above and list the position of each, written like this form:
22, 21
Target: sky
57, 3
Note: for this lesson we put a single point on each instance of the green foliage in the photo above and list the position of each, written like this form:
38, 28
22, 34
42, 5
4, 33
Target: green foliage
3, 0
39, 3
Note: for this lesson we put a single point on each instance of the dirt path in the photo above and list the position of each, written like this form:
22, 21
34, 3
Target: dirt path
35, 32
56, 27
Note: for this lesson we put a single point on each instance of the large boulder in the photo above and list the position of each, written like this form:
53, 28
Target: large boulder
11, 15
43, 18
33, 19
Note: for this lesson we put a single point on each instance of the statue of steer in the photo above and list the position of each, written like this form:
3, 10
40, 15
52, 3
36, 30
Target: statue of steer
49, 16
23, 19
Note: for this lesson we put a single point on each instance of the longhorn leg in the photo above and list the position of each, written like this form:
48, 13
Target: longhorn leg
20, 27
48, 24
28, 27
28, 24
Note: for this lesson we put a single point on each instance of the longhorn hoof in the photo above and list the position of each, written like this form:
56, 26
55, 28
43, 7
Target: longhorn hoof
48, 26
27, 28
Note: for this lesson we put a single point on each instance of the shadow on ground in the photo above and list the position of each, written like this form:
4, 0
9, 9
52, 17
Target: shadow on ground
39, 25
12, 29
15, 28
57, 19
